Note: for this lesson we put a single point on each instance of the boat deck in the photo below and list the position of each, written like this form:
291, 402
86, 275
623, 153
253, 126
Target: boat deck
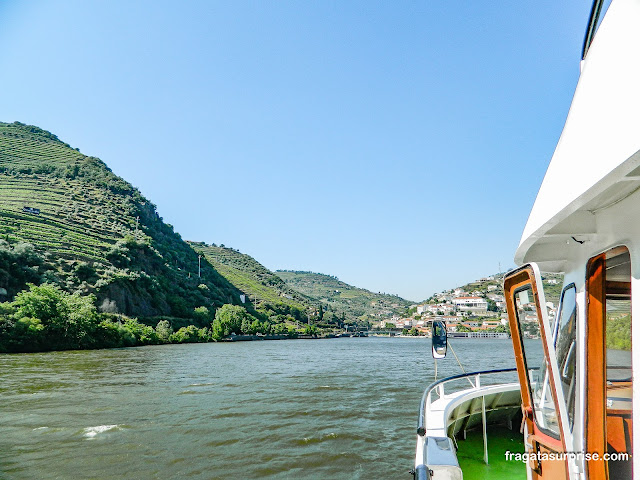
461, 415
470, 455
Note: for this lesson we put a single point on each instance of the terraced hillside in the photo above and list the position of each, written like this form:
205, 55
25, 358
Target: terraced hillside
346, 299
72, 221
95, 232
262, 286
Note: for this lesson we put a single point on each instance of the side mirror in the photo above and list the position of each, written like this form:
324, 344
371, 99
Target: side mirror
438, 339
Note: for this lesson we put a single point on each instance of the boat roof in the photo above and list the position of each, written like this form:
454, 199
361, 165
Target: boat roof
596, 163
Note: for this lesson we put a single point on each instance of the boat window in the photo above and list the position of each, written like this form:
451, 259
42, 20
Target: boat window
565, 345
544, 410
618, 316
618, 335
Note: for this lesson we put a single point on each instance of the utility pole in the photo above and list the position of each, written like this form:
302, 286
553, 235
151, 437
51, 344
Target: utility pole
199, 257
137, 220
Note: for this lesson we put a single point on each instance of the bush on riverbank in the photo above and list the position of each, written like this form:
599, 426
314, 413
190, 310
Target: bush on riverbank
46, 318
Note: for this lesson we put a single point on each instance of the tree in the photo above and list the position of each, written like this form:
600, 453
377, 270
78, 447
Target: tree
189, 334
164, 331
245, 327
229, 319
27, 334
310, 330
201, 315
144, 334
44, 303
82, 319
63, 320
502, 329
410, 311
19, 264
492, 306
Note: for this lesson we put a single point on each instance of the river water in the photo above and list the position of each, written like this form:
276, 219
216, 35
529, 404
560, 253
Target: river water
297, 409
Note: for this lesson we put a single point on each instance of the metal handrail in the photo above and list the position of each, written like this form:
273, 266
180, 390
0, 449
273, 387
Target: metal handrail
422, 429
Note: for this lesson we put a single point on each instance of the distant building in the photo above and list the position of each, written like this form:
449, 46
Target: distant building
479, 335
35, 211
451, 319
439, 307
471, 304
491, 324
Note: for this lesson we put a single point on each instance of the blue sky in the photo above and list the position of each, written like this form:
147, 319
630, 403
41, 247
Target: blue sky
396, 145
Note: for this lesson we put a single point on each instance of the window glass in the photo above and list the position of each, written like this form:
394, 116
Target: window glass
565, 344
618, 335
544, 410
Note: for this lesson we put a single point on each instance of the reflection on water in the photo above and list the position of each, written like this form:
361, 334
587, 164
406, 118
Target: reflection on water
326, 409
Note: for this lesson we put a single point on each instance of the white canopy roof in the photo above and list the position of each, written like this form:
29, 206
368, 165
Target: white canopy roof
600, 145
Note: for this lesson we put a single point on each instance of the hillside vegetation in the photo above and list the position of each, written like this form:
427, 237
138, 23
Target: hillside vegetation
94, 234
344, 299
86, 261
266, 290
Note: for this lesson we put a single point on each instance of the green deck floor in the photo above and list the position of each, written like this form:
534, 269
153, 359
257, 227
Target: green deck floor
499, 440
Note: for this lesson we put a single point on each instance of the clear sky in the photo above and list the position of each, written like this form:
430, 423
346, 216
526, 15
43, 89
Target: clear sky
398, 145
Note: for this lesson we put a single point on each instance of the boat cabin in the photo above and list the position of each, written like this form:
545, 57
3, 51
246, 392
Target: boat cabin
584, 224
578, 378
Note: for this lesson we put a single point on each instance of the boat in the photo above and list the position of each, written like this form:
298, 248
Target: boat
573, 400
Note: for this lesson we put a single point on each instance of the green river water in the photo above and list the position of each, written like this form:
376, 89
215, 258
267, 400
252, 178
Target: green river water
297, 409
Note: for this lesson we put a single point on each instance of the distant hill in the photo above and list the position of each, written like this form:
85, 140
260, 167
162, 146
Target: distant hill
342, 298
93, 232
262, 287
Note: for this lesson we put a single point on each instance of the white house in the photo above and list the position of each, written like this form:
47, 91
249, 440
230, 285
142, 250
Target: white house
471, 304
441, 307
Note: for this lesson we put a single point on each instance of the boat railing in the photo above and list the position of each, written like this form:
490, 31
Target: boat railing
438, 386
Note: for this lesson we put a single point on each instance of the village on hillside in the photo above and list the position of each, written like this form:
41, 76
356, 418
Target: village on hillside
477, 309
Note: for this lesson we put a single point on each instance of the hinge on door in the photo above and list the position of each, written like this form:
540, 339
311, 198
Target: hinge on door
534, 463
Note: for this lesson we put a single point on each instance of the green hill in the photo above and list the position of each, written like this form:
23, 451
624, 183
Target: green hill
342, 298
266, 290
94, 233
100, 250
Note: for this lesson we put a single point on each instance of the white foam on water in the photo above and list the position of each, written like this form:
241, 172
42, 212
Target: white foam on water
91, 432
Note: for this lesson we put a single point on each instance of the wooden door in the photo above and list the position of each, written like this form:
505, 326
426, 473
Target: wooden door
537, 372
